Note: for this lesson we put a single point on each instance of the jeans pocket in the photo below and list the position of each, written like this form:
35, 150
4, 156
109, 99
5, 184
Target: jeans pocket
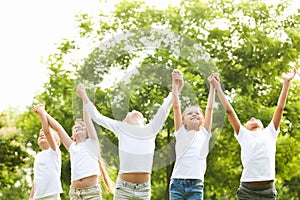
118, 186
199, 184
274, 192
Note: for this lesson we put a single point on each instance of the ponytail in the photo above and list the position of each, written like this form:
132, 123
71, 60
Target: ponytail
108, 183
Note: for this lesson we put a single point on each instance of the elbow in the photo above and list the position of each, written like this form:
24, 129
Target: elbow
280, 108
176, 106
209, 109
229, 111
46, 132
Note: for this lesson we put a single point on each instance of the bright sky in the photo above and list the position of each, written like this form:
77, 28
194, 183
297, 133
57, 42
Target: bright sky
29, 30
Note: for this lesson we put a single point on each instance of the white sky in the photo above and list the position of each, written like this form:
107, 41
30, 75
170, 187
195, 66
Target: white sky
29, 30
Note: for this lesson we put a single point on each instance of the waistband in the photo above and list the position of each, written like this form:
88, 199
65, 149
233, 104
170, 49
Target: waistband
86, 188
132, 185
187, 181
258, 187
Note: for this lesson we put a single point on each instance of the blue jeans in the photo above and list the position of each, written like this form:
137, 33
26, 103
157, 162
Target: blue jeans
191, 189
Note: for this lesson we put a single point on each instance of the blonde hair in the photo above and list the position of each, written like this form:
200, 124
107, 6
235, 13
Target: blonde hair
191, 107
107, 182
55, 135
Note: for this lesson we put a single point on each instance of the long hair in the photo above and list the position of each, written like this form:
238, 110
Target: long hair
108, 183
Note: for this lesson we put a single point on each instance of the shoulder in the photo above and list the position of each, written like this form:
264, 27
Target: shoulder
242, 132
203, 130
181, 130
271, 128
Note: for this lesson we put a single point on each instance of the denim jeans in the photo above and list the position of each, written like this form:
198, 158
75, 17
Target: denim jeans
191, 189
93, 192
132, 191
263, 192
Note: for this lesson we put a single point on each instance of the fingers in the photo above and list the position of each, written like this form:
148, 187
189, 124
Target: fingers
214, 76
177, 74
80, 90
38, 108
290, 75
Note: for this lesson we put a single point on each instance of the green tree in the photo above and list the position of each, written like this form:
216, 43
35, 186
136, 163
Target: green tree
249, 43
13, 158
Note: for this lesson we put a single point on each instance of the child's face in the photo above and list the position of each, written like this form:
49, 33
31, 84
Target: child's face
42, 140
192, 116
254, 124
135, 118
79, 132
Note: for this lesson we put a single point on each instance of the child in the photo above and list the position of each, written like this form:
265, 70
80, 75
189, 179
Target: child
258, 146
136, 147
192, 132
84, 154
47, 163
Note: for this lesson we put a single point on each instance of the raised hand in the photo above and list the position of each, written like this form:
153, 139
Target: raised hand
39, 108
289, 76
177, 80
81, 90
214, 80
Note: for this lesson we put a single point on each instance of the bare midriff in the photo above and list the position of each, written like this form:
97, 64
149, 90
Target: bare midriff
135, 177
85, 182
258, 183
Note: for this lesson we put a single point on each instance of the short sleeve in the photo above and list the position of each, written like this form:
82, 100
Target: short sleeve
271, 127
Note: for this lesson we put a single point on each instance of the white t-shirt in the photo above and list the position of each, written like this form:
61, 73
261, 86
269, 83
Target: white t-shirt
191, 149
47, 171
136, 143
84, 159
258, 149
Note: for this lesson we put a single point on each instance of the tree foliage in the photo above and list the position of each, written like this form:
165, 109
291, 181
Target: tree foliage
249, 43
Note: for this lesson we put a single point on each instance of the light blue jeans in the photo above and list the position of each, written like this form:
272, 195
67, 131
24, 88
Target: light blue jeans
92, 192
191, 189
132, 191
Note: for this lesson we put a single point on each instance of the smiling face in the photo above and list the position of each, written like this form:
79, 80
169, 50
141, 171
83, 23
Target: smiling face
43, 142
79, 133
254, 124
192, 118
135, 118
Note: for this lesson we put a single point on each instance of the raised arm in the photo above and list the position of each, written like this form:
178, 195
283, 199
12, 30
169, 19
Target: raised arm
31, 192
283, 96
91, 131
209, 106
64, 137
177, 85
233, 118
40, 110
94, 114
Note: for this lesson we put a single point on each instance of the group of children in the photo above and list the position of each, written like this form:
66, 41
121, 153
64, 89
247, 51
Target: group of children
137, 145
